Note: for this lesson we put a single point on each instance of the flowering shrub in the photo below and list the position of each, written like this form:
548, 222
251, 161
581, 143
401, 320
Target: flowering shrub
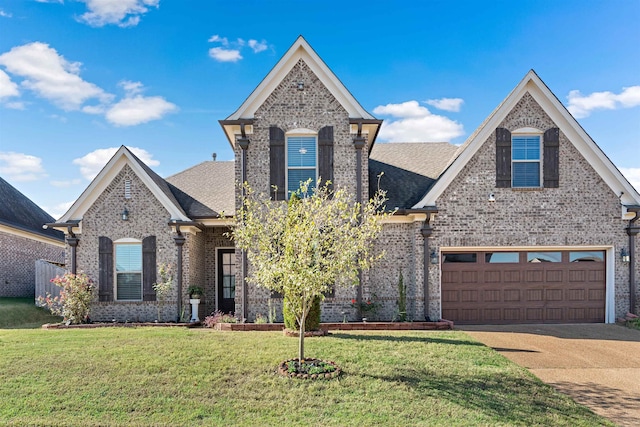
164, 286
365, 307
74, 302
219, 317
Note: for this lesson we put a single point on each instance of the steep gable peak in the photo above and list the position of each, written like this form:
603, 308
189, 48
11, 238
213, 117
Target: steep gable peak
532, 85
299, 51
119, 160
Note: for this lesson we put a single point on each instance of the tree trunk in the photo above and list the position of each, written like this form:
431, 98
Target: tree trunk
301, 341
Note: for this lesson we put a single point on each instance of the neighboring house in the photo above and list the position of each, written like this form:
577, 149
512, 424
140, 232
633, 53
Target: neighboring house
524, 223
23, 241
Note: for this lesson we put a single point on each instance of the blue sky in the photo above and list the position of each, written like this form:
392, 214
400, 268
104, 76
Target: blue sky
80, 78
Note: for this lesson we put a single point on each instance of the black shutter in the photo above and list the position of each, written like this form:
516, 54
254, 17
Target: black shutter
148, 268
503, 158
276, 161
551, 158
105, 275
325, 154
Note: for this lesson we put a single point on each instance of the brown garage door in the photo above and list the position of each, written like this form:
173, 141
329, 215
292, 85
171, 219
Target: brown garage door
523, 287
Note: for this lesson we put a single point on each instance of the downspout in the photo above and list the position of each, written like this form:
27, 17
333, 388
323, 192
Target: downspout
359, 142
179, 239
632, 231
72, 241
243, 142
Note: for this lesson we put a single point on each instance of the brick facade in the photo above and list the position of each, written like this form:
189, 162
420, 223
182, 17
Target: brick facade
561, 216
147, 217
19, 255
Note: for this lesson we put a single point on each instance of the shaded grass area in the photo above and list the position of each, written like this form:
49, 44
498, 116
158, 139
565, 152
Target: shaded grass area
179, 376
23, 314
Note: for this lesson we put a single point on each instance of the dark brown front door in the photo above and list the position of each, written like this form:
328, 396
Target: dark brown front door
226, 280
523, 287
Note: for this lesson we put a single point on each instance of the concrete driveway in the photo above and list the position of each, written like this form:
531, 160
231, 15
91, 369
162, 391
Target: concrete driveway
597, 365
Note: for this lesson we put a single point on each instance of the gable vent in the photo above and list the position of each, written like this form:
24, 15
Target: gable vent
127, 188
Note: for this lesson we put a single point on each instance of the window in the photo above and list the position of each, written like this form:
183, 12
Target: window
526, 161
586, 256
460, 257
501, 257
128, 271
544, 257
301, 161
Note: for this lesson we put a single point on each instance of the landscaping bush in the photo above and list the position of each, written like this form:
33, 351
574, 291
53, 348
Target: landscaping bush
74, 302
312, 322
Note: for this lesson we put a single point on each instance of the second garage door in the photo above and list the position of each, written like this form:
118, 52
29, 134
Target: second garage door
523, 287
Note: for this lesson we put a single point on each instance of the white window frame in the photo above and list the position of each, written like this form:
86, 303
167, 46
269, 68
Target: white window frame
295, 133
528, 132
124, 242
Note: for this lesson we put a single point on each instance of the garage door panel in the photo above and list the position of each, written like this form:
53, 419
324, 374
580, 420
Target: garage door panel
483, 288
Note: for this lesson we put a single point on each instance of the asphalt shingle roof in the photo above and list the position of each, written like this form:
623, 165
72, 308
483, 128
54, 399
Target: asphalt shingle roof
410, 169
18, 211
206, 189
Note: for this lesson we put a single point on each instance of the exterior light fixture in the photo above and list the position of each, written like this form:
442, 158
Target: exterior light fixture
300, 85
624, 255
492, 197
125, 214
434, 257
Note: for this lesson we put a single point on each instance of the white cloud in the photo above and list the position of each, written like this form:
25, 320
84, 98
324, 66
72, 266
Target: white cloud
416, 123
51, 76
446, 104
216, 38
67, 183
581, 106
20, 166
92, 163
225, 55
135, 109
123, 13
633, 176
58, 210
5, 14
17, 105
7, 87
258, 46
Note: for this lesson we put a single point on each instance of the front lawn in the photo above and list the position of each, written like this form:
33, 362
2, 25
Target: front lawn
22, 313
179, 376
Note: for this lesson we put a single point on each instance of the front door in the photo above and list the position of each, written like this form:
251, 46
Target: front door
226, 280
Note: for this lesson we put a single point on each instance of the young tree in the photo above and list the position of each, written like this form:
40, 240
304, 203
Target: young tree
302, 248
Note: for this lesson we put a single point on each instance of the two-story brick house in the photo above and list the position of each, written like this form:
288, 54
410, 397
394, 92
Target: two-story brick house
524, 223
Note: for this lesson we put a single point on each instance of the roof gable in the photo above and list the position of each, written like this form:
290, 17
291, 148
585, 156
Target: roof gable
153, 181
18, 211
533, 85
300, 50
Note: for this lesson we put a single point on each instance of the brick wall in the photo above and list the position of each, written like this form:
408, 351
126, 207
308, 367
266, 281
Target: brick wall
289, 108
18, 267
582, 211
147, 217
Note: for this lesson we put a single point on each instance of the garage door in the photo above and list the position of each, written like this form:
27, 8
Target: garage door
523, 287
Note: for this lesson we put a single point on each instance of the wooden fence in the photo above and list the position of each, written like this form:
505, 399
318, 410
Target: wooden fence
45, 271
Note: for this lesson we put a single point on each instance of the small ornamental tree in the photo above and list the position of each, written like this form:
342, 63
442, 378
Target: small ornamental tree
302, 248
74, 301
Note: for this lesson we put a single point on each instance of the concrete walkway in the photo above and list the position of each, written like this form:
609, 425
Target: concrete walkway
597, 365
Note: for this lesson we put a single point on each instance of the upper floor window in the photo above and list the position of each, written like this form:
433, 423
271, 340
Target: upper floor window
526, 161
128, 260
302, 161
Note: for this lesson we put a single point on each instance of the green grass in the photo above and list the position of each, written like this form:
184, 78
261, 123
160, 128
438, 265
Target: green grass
179, 376
23, 314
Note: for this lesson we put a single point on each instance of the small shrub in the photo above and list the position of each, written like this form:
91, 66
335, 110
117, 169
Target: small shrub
366, 308
163, 287
260, 319
218, 317
312, 323
74, 302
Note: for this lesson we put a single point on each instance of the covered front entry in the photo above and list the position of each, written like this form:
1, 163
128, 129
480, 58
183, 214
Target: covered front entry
499, 287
